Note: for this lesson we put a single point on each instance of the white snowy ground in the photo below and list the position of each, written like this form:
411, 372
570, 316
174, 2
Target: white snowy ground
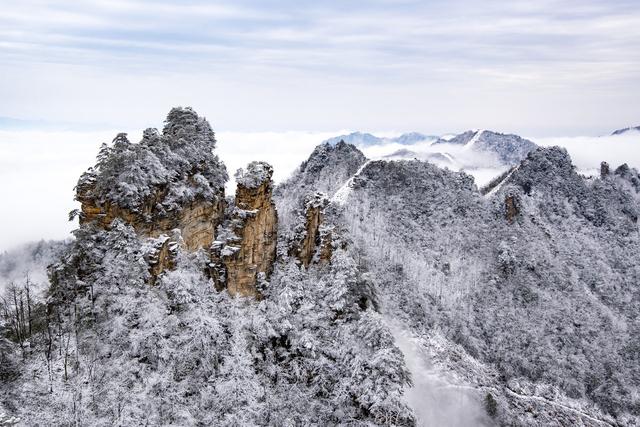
436, 398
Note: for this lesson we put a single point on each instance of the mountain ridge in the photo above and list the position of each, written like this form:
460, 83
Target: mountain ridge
524, 296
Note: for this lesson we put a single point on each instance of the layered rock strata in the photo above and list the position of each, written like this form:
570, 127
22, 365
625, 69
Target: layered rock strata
245, 250
196, 221
314, 241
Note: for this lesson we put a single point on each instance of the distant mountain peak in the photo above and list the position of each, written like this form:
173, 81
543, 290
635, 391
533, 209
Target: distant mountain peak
626, 130
509, 148
364, 139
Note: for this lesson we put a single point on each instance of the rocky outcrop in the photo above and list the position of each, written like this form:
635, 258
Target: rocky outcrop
245, 251
604, 169
196, 221
169, 183
511, 207
161, 255
314, 240
326, 170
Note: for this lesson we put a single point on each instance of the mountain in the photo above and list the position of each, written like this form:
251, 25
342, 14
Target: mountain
509, 149
470, 150
518, 292
360, 139
440, 159
178, 305
627, 130
359, 291
328, 167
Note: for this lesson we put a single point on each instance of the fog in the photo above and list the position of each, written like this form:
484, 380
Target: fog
587, 152
39, 169
483, 167
435, 397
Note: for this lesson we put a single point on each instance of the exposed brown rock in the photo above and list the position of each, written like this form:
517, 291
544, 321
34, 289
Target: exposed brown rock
247, 250
511, 208
161, 256
316, 238
197, 221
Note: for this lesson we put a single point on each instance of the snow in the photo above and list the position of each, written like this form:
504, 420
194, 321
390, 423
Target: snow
255, 174
497, 187
475, 139
435, 398
448, 137
341, 196
229, 250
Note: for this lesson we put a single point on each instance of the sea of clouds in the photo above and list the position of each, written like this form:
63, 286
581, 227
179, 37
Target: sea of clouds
39, 169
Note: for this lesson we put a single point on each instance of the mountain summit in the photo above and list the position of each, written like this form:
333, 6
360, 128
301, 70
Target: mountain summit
508, 148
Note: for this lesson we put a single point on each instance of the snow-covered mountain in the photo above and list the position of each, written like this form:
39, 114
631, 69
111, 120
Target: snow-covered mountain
627, 130
360, 139
503, 149
508, 291
508, 148
482, 153
361, 291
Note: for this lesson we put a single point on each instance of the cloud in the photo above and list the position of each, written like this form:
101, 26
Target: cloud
587, 152
326, 65
39, 170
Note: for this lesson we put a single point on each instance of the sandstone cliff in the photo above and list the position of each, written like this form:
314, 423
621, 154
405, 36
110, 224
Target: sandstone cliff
246, 248
170, 182
196, 221
314, 238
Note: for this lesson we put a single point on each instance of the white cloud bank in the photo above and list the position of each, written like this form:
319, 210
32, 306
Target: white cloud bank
38, 170
587, 152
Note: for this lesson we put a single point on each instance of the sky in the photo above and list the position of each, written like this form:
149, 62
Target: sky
275, 78
544, 67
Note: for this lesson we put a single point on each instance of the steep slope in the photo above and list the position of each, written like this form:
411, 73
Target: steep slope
246, 251
527, 295
509, 149
326, 170
538, 282
137, 327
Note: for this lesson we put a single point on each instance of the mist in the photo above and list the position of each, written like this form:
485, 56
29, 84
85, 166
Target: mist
39, 169
436, 399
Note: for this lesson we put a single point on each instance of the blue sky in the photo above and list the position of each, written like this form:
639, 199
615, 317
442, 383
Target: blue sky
540, 67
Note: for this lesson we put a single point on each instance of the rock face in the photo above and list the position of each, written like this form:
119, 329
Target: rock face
246, 249
169, 183
315, 237
511, 207
197, 221
161, 255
